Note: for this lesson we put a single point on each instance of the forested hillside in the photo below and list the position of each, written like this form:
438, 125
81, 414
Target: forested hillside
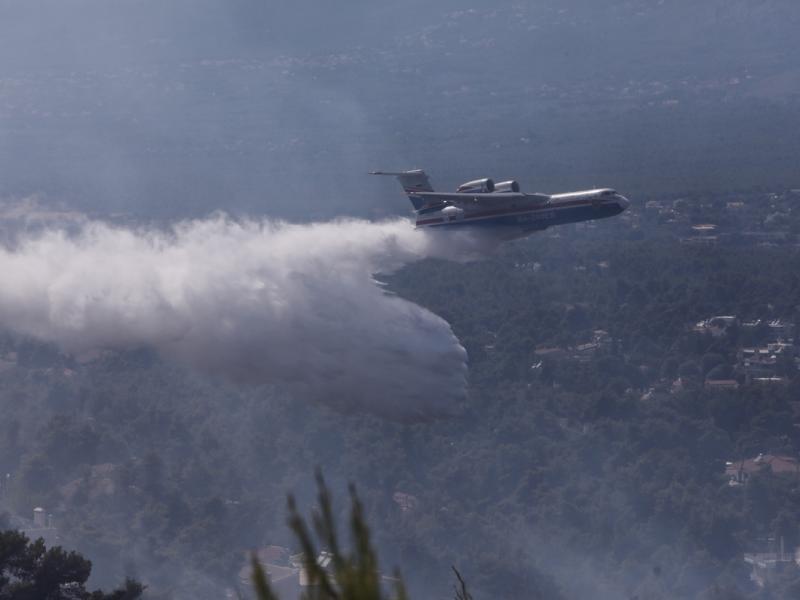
589, 460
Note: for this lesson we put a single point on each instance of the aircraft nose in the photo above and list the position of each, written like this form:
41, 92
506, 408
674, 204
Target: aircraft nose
624, 203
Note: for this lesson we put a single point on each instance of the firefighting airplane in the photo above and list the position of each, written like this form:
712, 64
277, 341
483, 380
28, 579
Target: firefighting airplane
500, 208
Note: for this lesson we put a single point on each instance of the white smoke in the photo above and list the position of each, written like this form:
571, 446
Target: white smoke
255, 301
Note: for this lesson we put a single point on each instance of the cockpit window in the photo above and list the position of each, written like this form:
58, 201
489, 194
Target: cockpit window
608, 193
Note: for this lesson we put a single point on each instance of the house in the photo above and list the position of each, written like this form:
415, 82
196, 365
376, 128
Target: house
717, 326
273, 555
762, 363
585, 352
774, 562
721, 384
406, 502
781, 330
770, 380
601, 336
40, 527
288, 579
549, 351
704, 229
739, 472
654, 205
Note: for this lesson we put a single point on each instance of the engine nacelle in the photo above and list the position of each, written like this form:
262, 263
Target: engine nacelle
452, 213
507, 186
479, 186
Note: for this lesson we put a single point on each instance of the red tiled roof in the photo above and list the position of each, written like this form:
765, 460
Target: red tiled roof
777, 464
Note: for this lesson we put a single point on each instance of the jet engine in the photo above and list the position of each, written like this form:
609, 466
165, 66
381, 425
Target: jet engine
479, 186
452, 213
507, 186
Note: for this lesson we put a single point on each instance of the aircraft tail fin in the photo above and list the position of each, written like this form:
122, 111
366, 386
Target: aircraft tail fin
413, 182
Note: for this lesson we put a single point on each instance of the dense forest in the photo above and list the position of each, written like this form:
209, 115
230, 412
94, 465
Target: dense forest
589, 459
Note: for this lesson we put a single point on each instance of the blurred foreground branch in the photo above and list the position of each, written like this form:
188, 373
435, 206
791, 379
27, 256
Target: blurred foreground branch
461, 588
352, 575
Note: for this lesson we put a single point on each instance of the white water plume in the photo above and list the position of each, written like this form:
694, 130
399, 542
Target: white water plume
254, 301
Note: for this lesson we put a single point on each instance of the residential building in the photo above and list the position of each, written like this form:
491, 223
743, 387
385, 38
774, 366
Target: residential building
738, 472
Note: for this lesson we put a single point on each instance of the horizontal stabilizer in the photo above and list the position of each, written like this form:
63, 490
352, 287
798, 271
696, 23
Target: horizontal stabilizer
412, 181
